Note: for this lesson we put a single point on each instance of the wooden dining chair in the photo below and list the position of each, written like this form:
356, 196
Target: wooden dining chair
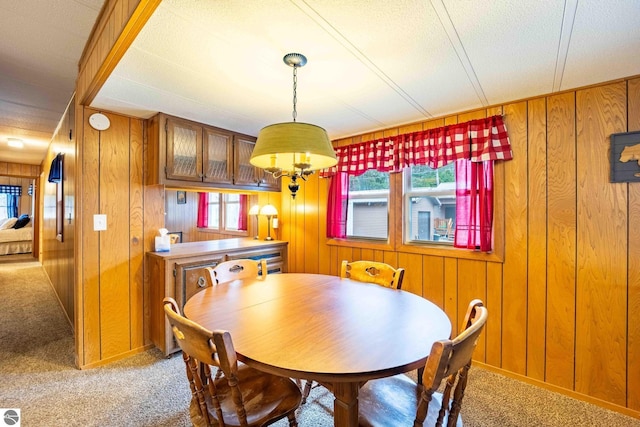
399, 401
375, 272
244, 396
372, 272
236, 269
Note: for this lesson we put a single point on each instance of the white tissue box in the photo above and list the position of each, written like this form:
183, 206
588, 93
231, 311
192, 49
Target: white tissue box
163, 243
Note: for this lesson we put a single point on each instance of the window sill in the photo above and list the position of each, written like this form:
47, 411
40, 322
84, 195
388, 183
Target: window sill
362, 243
449, 251
225, 232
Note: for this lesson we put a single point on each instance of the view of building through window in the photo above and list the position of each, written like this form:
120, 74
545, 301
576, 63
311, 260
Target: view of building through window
430, 205
430, 200
368, 210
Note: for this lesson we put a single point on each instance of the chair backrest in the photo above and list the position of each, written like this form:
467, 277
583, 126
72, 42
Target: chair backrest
372, 272
198, 344
237, 269
451, 359
192, 338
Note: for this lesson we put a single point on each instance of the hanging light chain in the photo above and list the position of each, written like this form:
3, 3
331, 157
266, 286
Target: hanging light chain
295, 87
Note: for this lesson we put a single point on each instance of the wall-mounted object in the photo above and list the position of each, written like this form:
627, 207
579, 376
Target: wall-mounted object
182, 197
99, 121
625, 157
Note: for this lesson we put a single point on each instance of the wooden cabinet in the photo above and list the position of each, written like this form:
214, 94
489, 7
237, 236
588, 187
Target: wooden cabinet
181, 273
245, 172
198, 153
182, 153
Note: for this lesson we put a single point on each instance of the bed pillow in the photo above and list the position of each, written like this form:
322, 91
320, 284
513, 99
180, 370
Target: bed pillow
9, 223
22, 221
3, 220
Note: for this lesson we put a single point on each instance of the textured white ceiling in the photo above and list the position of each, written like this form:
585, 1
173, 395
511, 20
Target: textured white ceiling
40, 45
372, 64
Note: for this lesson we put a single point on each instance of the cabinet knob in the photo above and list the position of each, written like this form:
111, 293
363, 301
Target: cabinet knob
202, 283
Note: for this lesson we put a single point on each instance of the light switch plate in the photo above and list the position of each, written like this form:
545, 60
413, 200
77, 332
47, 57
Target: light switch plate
99, 222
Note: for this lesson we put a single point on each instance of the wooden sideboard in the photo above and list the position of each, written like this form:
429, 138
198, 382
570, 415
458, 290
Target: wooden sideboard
180, 274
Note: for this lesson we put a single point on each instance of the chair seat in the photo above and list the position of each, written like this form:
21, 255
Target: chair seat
266, 398
393, 401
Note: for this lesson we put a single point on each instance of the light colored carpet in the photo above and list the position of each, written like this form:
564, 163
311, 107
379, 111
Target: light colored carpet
38, 376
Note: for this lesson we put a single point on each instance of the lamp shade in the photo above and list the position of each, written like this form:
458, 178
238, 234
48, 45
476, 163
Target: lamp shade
268, 210
255, 210
291, 145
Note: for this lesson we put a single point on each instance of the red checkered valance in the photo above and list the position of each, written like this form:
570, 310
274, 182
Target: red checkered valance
476, 140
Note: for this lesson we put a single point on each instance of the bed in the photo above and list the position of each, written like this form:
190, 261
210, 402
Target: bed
16, 241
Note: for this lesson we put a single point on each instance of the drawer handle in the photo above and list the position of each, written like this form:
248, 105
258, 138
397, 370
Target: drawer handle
236, 269
202, 283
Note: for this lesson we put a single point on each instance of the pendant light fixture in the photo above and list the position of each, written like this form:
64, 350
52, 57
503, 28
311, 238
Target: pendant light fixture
293, 149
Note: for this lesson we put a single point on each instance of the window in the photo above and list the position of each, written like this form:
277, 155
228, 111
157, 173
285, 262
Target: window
4, 203
430, 204
214, 211
223, 211
368, 209
231, 211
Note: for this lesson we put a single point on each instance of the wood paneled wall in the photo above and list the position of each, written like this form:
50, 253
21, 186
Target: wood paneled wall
111, 315
563, 305
57, 257
19, 170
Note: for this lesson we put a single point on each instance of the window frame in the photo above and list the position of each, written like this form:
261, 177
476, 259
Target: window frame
407, 193
222, 209
397, 226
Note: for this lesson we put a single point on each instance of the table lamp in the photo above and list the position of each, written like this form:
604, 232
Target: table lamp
254, 211
269, 211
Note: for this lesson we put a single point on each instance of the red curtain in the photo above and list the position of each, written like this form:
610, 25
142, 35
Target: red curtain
242, 214
474, 205
474, 145
337, 206
203, 210
476, 140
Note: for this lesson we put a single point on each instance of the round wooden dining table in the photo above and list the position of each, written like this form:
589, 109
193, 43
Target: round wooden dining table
336, 331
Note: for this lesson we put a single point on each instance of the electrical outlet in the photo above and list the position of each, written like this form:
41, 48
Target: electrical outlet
99, 222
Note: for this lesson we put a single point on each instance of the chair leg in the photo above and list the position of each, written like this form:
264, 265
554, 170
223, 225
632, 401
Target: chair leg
423, 408
192, 375
446, 394
292, 420
307, 389
458, 394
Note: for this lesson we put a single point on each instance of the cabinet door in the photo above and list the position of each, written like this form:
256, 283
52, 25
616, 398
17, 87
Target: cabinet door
247, 174
218, 156
184, 151
191, 278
